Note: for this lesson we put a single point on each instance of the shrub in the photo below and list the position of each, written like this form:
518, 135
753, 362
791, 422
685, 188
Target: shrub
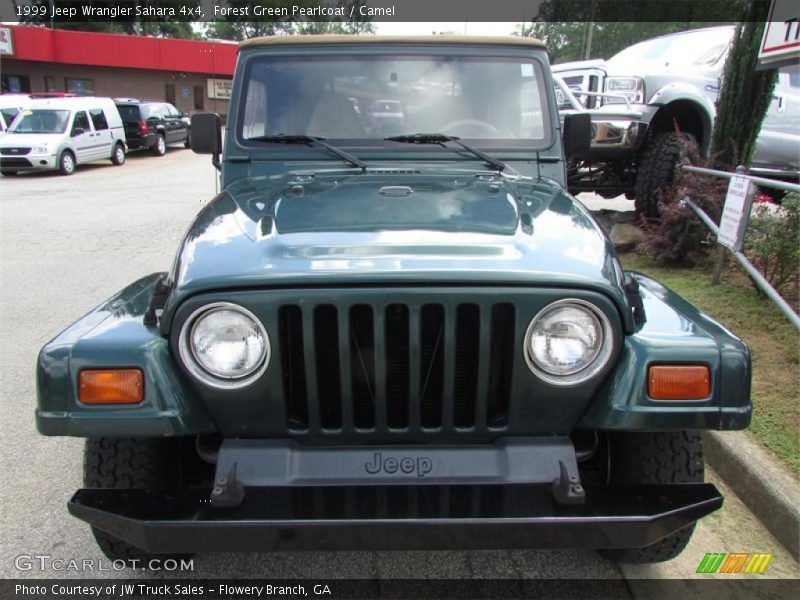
772, 244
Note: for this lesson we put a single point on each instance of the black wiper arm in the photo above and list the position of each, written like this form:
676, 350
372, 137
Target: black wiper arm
441, 138
284, 138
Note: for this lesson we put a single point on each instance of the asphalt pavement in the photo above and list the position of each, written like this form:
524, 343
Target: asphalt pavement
68, 243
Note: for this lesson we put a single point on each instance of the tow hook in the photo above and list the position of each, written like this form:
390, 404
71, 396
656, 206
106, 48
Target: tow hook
228, 491
567, 489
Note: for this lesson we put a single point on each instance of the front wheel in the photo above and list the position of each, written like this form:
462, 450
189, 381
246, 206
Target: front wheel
128, 464
656, 171
188, 143
118, 157
652, 458
66, 163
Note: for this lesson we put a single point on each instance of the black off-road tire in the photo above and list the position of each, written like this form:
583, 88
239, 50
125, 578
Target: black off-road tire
655, 457
656, 171
127, 464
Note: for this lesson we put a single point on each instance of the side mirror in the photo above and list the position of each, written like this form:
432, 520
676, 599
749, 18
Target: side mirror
577, 133
184, 115
206, 133
76, 131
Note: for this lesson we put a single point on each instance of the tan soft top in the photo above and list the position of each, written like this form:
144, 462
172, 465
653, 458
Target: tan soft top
466, 40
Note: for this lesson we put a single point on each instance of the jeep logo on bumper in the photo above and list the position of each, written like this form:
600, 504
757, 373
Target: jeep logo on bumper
407, 465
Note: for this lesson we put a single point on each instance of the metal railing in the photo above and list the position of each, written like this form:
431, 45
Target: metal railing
760, 281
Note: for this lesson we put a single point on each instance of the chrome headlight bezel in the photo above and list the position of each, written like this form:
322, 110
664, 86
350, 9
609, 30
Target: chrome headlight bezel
634, 91
591, 368
194, 366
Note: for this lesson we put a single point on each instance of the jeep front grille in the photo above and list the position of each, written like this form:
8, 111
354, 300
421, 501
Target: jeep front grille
396, 367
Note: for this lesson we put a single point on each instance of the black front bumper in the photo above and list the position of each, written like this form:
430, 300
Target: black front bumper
396, 517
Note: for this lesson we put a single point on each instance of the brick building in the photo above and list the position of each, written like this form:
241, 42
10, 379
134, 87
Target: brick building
194, 76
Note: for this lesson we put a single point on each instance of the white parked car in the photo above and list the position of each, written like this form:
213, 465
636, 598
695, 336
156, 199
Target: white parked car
61, 133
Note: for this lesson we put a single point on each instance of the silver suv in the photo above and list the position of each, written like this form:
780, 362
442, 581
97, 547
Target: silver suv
639, 96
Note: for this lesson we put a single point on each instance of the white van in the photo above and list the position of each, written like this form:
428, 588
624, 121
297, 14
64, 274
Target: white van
61, 133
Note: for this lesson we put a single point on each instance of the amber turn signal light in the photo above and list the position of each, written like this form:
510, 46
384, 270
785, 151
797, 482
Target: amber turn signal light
679, 382
111, 386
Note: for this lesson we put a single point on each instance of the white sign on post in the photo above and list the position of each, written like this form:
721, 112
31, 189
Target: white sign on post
781, 42
735, 213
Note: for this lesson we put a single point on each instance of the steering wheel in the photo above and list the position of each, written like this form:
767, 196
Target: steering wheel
469, 126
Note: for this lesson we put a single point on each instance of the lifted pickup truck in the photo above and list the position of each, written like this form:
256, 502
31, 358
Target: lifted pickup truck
413, 341
639, 96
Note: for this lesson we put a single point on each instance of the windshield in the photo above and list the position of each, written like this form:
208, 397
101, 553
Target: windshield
699, 48
41, 121
359, 101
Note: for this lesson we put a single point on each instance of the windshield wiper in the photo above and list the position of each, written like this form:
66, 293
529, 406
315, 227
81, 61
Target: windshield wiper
284, 138
441, 138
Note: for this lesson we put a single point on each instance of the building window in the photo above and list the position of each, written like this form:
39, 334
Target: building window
82, 87
15, 83
169, 93
50, 83
199, 97
98, 119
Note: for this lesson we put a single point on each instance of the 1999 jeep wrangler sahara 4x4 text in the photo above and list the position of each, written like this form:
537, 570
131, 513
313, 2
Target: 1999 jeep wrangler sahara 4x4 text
405, 339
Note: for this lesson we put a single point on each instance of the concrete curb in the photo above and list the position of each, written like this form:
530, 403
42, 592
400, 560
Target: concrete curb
770, 490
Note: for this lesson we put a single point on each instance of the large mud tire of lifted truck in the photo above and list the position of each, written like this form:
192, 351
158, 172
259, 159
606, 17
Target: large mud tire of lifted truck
657, 169
655, 457
127, 464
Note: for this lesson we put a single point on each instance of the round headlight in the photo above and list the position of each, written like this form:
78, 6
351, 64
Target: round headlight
568, 342
224, 345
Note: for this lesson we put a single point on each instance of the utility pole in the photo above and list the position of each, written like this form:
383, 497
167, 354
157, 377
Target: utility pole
588, 45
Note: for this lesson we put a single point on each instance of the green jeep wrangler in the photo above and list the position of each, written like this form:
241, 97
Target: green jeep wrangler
393, 329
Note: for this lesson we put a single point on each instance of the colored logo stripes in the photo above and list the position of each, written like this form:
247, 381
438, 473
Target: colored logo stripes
735, 562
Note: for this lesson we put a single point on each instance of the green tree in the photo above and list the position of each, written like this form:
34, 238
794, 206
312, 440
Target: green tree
231, 28
745, 95
568, 41
359, 25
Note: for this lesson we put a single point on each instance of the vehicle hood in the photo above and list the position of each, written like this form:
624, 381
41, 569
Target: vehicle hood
635, 68
577, 65
377, 228
29, 139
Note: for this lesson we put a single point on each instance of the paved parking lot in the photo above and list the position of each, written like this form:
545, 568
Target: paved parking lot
66, 244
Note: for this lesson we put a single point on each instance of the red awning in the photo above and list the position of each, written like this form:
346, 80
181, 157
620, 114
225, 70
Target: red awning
126, 51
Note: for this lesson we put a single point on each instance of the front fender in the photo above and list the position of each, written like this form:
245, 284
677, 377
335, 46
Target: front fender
675, 332
672, 92
114, 335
